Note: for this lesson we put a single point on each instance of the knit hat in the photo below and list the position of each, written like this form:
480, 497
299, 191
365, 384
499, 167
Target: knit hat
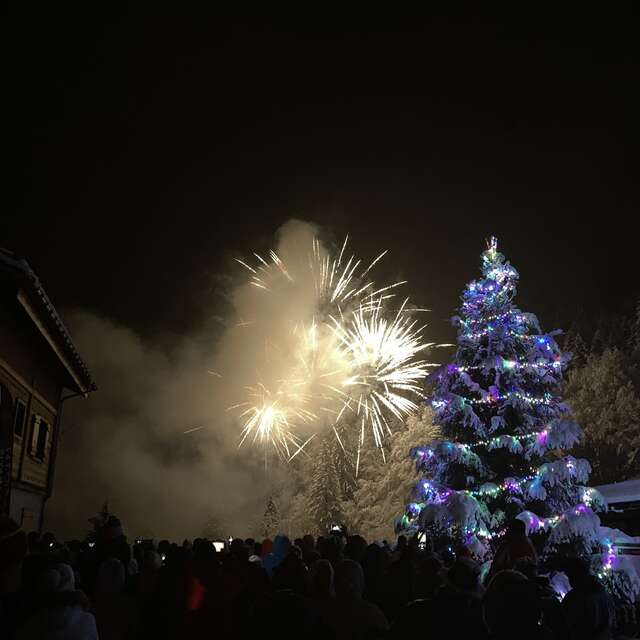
57, 579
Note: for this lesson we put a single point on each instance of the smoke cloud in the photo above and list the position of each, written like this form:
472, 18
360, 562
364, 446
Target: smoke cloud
127, 442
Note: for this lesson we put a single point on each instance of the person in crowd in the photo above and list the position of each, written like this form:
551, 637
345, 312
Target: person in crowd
331, 549
429, 576
355, 548
454, 610
13, 549
321, 581
309, 552
114, 608
291, 573
511, 608
350, 615
280, 549
401, 545
266, 548
587, 607
60, 612
515, 545
374, 565
399, 581
552, 615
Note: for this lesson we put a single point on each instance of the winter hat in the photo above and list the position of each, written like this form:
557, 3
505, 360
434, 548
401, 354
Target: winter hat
464, 574
56, 579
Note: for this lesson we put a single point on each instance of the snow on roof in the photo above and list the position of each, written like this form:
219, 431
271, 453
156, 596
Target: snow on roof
626, 491
20, 267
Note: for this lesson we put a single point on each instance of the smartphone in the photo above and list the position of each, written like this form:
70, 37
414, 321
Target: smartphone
219, 546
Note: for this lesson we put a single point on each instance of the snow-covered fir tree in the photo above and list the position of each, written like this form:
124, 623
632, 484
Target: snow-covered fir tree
270, 519
324, 497
382, 486
506, 431
604, 401
214, 529
575, 344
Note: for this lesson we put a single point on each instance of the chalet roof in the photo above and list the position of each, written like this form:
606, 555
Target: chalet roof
32, 296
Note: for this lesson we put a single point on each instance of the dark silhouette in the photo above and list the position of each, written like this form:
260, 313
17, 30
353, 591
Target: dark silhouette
331, 588
587, 606
515, 546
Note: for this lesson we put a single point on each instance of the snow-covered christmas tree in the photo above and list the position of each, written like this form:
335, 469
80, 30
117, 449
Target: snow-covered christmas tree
506, 433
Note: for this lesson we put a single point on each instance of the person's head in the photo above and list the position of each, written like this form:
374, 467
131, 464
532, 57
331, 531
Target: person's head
55, 578
164, 546
281, 545
152, 560
290, 574
308, 542
266, 547
321, 578
355, 548
402, 542
349, 580
13, 549
577, 570
516, 529
511, 606
464, 576
110, 577
298, 542
295, 550
238, 549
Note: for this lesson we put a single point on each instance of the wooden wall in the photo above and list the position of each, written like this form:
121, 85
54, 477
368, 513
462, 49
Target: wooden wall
34, 472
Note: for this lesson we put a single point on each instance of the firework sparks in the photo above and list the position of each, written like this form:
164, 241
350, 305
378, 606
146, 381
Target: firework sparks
353, 355
383, 366
268, 420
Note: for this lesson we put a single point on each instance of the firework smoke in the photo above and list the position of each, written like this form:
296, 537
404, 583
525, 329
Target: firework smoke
158, 440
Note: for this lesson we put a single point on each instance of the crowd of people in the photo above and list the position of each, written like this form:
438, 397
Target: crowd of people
333, 586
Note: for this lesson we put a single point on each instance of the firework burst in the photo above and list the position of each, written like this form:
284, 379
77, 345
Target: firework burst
353, 355
268, 419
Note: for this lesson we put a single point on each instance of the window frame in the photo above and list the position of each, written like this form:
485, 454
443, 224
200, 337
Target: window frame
23, 404
42, 425
37, 421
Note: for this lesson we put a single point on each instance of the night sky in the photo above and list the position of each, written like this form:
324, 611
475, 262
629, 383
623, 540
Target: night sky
151, 152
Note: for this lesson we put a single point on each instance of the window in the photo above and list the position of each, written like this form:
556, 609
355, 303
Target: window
19, 417
39, 435
41, 444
